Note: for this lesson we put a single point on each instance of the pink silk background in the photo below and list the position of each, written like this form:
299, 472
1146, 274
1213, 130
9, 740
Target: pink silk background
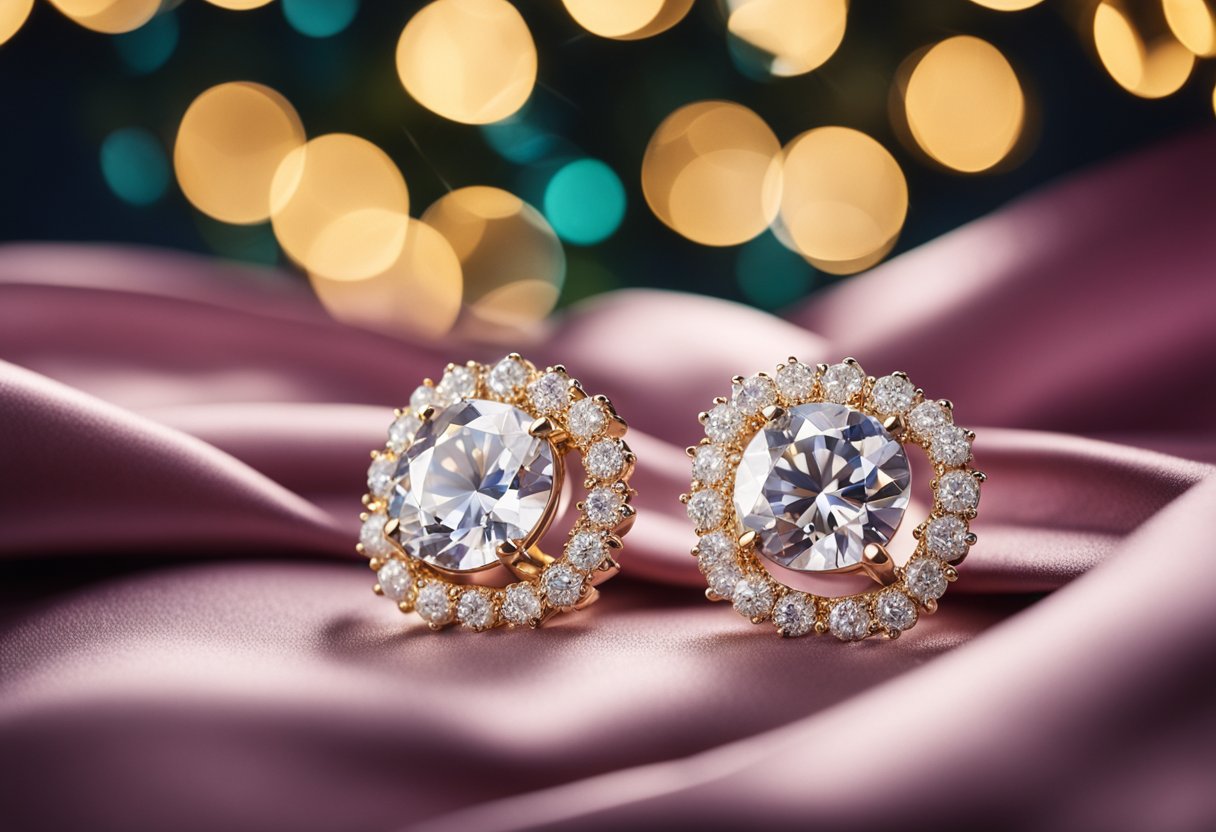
188, 640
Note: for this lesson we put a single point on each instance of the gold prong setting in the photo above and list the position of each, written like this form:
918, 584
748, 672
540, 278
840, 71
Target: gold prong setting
727, 553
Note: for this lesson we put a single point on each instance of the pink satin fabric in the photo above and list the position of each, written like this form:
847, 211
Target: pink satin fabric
189, 641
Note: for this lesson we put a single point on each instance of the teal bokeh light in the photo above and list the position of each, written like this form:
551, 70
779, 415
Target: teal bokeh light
770, 275
319, 18
585, 202
149, 47
518, 140
133, 164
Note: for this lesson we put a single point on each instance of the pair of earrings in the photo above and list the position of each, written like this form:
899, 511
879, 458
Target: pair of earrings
801, 474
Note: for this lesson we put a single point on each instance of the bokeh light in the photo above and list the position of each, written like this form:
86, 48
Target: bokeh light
585, 202
319, 18
231, 142
785, 37
340, 207
627, 19
1150, 67
240, 5
109, 16
13, 14
964, 104
472, 61
418, 294
149, 47
1007, 5
770, 275
844, 200
1193, 22
712, 172
133, 164
512, 262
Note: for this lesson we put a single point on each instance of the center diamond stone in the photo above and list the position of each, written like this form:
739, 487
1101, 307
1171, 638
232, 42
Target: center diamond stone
820, 482
472, 479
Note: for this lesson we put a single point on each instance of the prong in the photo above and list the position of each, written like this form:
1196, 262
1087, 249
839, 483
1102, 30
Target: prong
821, 368
894, 423
544, 428
427, 413
375, 564
737, 379
406, 606
877, 563
773, 411
970, 434
684, 499
851, 362
702, 416
947, 404
980, 476
892, 634
691, 450
398, 412
951, 574
747, 539
971, 538
391, 527
930, 606
900, 374
614, 542
376, 588
821, 627
720, 400
369, 502
507, 549
713, 596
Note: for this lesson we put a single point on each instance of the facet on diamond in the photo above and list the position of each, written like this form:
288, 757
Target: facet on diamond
819, 483
474, 478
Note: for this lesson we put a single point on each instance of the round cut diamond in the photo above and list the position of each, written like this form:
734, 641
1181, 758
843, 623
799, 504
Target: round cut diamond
457, 383
550, 393
586, 551
892, 394
380, 475
706, 509
603, 506
508, 377
723, 423
794, 614
895, 611
475, 610
395, 580
605, 459
795, 381
562, 584
753, 597
754, 394
841, 382
925, 579
950, 445
849, 620
722, 580
820, 482
401, 432
434, 604
927, 417
709, 465
715, 549
946, 537
958, 491
371, 537
587, 419
423, 395
473, 479
520, 604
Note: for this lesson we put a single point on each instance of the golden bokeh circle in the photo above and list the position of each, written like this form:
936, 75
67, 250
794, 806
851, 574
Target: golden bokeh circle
231, 141
844, 199
240, 5
1007, 5
340, 207
13, 14
712, 172
796, 36
1193, 22
418, 295
964, 104
111, 17
471, 61
627, 19
1152, 69
511, 259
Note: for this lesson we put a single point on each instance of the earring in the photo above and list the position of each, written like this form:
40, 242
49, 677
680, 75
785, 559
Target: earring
806, 473
469, 483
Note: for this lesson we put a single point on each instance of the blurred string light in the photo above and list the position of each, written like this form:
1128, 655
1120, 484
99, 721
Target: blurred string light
1007, 5
111, 17
770, 275
230, 143
13, 14
418, 294
1193, 22
133, 164
963, 104
1140, 53
627, 19
320, 18
712, 172
340, 207
149, 47
784, 37
585, 202
471, 61
511, 259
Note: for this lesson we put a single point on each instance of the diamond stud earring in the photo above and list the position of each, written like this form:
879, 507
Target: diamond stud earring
470, 481
805, 473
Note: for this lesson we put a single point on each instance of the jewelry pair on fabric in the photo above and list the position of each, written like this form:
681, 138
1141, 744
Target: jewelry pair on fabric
802, 474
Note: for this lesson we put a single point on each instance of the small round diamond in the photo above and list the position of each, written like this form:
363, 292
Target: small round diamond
434, 604
706, 509
603, 506
715, 549
562, 585
401, 432
550, 393
753, 597
587, 419
950, 445
794, 614
946, 537
508, 377
892, 394
841, 382
925, 579
927, 417
395, 580
520, 605
475, 610
605, 459
849, 620
722, 580
586, 550
754, 394
723, 423
895, 611
380, 475
457, 383
371, 537
795, 381
710, 464
958, 491
423, 395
